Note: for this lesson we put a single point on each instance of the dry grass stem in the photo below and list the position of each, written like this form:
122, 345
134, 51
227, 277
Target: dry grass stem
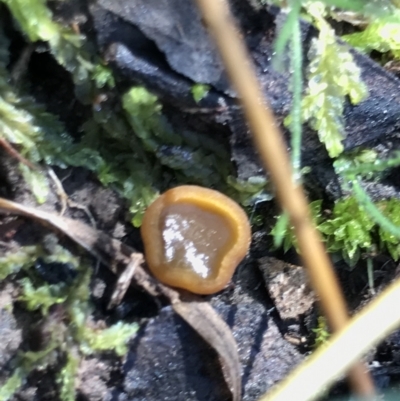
325, 365
272, 149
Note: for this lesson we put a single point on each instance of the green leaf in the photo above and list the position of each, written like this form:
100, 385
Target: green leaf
251, 191
35, 19
103, 76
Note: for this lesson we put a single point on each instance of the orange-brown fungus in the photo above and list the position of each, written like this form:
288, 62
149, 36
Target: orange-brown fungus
194, 238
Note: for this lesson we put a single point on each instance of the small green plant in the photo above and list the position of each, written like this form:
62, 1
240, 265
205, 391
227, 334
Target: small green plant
391, 210
199, 91
134, 150
36, 22
383, 214
321, 332
74, 336
332, 75
283, 233
66, 378
349, 229
381, 34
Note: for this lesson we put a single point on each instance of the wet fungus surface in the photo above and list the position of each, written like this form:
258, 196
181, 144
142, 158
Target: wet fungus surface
194, 238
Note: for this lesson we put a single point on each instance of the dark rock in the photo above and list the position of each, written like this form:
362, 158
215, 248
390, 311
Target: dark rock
289, 287
168, 55
169, 361
176, 29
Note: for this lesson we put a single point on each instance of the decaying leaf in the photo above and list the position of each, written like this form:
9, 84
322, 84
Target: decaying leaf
203, 318
117, 256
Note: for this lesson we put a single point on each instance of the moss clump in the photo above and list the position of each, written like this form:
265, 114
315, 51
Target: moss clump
332, 75
381, 33
73, 336
349, 229
283, 233
199, 91
321, 332
66, 378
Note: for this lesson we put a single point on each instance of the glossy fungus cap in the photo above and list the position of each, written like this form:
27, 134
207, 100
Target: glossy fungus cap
194, 238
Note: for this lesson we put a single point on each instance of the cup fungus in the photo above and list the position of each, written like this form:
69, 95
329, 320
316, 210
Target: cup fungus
194, 238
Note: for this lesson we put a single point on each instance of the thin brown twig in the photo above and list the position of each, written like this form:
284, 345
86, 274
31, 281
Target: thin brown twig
15, 154
272, 149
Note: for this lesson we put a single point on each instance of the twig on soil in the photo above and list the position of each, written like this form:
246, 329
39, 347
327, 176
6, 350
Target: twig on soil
66, 200
272, 149
125, 279
59, 190
15, 154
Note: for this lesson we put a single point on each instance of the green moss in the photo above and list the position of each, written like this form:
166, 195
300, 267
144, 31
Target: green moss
12, 385
44, 140
66, 378
332, 75
135, 151
251, 191
12, 262
391, 210
349, 230
72, 336
365, 163
42, 297
26, 362
321, 332
199, 91
384, 215
195, 159
283, 232
103, 76
356, 224
114, 338
68, 48
25, 257
382, 34
27, 125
